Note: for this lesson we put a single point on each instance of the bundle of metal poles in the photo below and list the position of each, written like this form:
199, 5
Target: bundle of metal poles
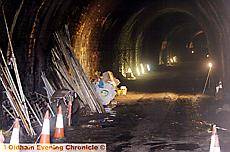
21, 106
71, 74
14, 91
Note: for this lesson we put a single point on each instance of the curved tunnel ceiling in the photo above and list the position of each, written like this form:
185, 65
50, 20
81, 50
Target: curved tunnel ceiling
176, 28
139, 30
117, 32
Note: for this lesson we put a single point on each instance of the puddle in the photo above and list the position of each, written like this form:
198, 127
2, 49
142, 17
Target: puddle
90, 126
156, 143
92, 121
121, 147
113, 115
182, 146
126, 136
185, 146
108, 125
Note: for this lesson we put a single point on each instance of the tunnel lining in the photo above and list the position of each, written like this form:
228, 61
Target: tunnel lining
207, 11
133, 27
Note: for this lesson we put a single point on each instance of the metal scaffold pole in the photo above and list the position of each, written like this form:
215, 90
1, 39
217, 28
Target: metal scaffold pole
1, 99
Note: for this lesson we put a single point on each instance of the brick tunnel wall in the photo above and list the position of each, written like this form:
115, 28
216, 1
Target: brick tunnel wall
87, 35
39, 19
86, 38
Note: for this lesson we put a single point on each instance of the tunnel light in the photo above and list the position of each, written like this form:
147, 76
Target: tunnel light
129, 70
129, 74
138, 71
174, 59
142, 69
208, 75
210, 65
148, 67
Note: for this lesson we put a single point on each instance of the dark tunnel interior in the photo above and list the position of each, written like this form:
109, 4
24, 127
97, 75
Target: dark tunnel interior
176, 38
169, 84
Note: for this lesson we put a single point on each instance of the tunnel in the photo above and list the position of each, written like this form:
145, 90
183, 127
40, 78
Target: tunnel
172, 56
117, 35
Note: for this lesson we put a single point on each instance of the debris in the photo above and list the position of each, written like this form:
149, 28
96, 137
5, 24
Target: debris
110, 111
108, 77
110, 120
92, 121
89, 126
225, 108
106, 87
113, 115
107, 93
107, 110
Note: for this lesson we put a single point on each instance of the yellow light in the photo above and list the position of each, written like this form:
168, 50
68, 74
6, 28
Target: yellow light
138, 71
210, 65
171, 60
148, 67
175, 59
193, 52
207, 55
142, 69
129, 70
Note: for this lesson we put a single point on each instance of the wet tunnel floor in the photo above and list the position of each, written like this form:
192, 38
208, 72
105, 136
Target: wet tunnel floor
144, 124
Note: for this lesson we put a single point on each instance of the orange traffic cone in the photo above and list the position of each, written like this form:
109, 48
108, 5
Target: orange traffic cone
2, 138
59, 130
214, 145
45, 135
15, 134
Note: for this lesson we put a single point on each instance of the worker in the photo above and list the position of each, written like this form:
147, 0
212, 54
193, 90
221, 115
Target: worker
219, 90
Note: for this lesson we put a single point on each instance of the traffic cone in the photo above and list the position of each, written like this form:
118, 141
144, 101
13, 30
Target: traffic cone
59, 130
15, 134
2, 138
214, 145
45, 134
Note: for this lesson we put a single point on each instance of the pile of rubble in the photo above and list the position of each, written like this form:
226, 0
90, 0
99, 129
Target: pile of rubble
106, 86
